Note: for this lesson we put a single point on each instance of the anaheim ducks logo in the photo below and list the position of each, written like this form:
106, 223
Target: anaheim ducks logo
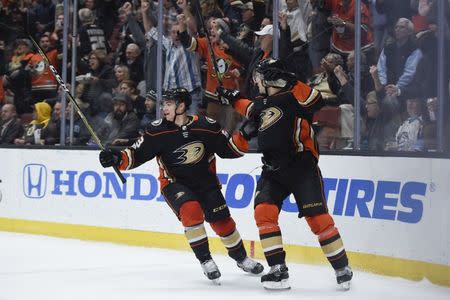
40, 67
222, 65
269, 117
191, 153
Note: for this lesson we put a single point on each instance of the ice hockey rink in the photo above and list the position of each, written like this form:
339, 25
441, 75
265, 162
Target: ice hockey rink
34, 267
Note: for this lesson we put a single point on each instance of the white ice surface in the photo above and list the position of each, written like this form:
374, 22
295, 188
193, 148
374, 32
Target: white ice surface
38, 267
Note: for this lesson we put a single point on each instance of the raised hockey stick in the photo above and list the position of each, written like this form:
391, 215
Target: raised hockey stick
75, 104
196, 4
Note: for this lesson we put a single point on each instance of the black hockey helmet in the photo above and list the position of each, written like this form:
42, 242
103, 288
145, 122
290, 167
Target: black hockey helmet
269, 64
273, 72
179, 95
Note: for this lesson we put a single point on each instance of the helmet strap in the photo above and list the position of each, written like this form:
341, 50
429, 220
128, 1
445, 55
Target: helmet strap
178, 114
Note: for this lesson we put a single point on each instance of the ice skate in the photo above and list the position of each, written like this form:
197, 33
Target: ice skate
277, 278
344, 277
211, 271
250, 266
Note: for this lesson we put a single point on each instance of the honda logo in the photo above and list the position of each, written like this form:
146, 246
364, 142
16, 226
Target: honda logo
34, 180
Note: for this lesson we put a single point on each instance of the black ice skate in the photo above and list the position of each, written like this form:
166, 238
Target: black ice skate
250, 266
277, 278
211, 271
343, 277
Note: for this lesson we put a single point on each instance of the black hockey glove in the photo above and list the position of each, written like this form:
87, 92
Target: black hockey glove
258, 106
110, 157
274, 74
249, 129
227, 97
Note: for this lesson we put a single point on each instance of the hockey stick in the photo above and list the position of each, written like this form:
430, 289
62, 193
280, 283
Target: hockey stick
210, 47
75, 104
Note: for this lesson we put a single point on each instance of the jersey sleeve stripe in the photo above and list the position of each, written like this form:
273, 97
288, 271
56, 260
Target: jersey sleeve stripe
207, 130
297, 135
126, 160
314, 95
162, 132
305, 95
243, 107
130, 156
238, 144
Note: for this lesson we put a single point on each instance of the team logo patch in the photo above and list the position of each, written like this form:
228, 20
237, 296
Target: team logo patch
179, 195
212, 121
191, 153
40, 67
157, 122
269, 117
222, 65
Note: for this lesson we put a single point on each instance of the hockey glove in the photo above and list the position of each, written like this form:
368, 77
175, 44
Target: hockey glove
227, 97
110, 157
258, 106
249, 129
274, 74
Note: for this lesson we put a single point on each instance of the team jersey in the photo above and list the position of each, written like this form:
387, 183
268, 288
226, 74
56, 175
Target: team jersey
91, 38
345, 42
41, 76
225, 63
185, 154
285, 121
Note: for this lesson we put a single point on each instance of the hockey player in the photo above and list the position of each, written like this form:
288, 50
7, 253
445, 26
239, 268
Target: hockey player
283, 114
185, 148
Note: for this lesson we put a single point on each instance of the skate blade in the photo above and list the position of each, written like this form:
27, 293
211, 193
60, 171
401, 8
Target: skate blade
345, 286
282, 285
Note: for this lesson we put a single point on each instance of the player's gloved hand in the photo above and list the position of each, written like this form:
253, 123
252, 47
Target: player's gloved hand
249, 129
110, 157
227, 97
258, 106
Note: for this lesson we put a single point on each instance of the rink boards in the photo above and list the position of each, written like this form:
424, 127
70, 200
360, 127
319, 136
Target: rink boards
391, 212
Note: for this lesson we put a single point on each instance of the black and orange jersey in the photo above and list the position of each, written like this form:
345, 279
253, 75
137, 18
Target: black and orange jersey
285, 121
185, 154
41, 76
225, 63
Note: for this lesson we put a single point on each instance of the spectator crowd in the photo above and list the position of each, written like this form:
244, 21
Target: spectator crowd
117, 63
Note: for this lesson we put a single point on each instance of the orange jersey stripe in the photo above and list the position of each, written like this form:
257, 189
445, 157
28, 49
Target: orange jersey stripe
242, 106
207, 130
238, 144
164, 176
307, 138
125, 161
304, 137
305, 95
162, 132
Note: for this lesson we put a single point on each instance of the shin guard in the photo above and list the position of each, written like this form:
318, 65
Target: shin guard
329, 239
191, 215
266, 217
230, 237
